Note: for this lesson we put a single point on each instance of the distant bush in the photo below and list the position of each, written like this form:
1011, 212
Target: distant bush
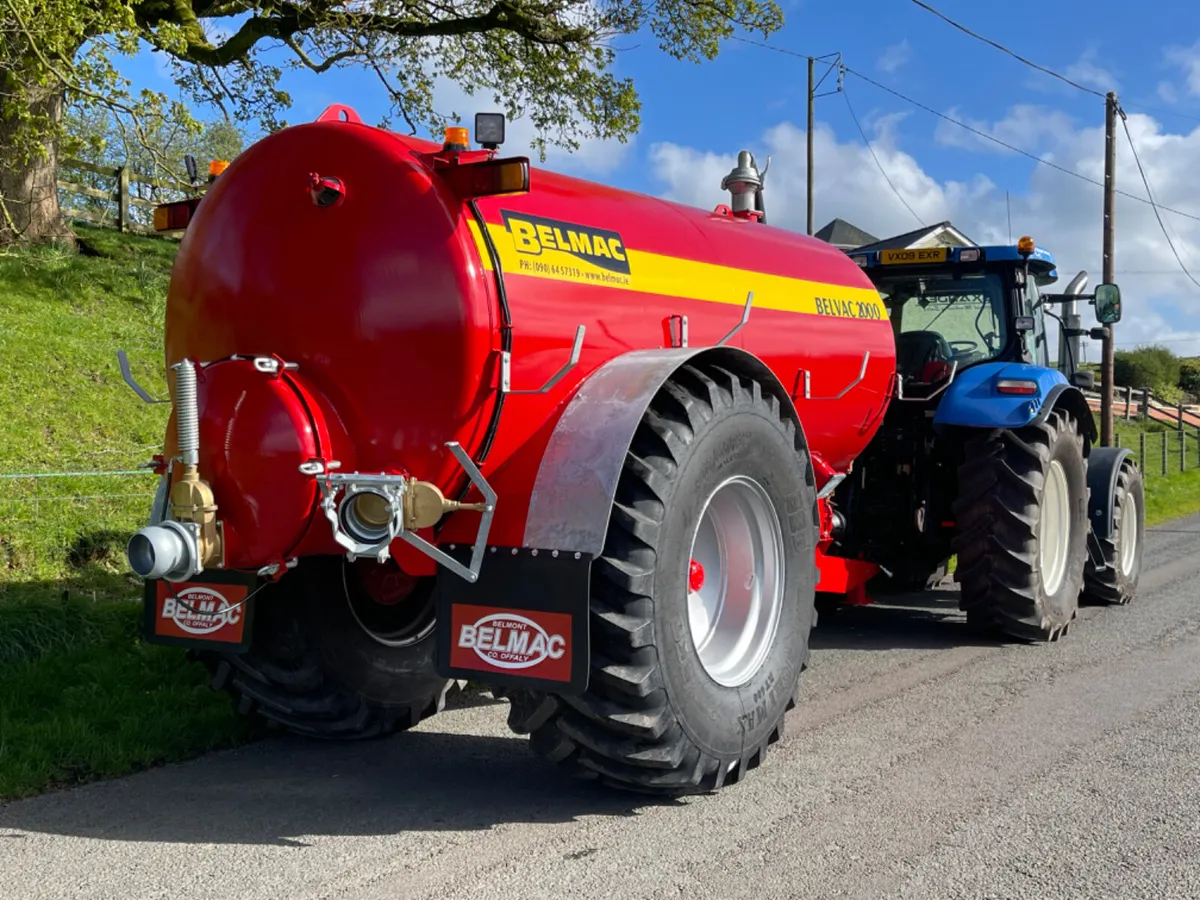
1189, 377
1154, 367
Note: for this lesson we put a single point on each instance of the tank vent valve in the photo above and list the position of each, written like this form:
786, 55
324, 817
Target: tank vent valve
744, 183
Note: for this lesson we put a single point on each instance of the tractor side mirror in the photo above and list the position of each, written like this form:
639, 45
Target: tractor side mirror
1108, 304
1084, 379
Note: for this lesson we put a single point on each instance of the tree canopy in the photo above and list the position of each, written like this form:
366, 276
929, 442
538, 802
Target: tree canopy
548, 60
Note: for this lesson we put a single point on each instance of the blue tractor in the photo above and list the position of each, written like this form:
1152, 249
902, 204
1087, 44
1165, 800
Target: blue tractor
989, 453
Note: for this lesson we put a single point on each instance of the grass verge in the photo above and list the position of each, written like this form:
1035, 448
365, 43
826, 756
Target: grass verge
1172, 497
82, 697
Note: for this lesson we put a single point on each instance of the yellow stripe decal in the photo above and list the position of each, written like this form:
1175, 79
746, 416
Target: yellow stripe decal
562, 251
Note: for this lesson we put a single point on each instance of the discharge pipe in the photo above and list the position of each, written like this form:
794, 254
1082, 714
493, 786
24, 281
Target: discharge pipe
178, 549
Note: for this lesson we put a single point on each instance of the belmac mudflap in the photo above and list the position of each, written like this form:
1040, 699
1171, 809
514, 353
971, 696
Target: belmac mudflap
524, 623
214, 612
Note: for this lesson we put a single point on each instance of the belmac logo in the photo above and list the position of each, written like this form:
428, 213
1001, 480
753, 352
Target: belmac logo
202, 611
510, 641
532, 235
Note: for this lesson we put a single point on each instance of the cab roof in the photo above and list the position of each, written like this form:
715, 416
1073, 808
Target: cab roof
1041, 261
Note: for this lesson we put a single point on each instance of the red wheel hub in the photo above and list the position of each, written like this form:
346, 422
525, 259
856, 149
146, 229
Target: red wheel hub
695, 576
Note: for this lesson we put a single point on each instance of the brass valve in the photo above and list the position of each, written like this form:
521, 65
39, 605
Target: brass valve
424, 505
192, 501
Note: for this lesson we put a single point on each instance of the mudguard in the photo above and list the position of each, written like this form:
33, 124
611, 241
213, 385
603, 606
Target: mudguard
497, 629
1104, 465
577, 480
972, 400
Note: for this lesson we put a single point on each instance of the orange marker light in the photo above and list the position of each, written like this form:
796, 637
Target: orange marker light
457, 139
1025, 245
217, 166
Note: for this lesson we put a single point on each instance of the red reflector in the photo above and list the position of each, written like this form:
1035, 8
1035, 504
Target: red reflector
1016, 386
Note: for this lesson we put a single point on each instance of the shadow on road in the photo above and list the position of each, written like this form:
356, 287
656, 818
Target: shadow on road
261, 794
929, 620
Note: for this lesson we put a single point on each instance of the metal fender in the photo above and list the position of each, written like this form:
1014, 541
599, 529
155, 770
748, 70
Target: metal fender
1104, 465
576, 482
972, 400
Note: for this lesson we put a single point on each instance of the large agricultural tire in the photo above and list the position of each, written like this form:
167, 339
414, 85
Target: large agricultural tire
1017, 492
1122, 551
653, 719
312, 669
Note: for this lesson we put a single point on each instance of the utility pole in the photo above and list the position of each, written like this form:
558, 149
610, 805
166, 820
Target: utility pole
1106, 357
811, 90
834, 60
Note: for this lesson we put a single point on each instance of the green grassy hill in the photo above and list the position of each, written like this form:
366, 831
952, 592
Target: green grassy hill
82, 695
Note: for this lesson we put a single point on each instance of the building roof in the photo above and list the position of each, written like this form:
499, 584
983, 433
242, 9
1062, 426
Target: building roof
942, 232
844, 236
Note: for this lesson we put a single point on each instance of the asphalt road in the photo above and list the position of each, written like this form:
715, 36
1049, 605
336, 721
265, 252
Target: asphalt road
919, 765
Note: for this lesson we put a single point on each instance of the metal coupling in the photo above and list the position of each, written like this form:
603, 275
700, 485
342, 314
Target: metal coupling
167, 550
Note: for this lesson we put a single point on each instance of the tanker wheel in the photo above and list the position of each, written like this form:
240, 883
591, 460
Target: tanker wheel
1022, 528
1116, 584
701, 603
340, 650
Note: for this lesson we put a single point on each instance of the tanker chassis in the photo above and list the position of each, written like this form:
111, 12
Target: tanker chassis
439, 416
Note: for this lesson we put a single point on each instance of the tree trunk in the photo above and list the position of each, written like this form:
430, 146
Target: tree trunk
29, 210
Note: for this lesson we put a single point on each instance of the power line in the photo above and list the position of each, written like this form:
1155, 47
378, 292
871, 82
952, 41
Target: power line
1008, 146
1151, 109
1150, 194
899, 196
1003, 49
995, 140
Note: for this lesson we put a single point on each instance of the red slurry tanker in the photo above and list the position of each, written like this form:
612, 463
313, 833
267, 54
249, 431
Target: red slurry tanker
439, 415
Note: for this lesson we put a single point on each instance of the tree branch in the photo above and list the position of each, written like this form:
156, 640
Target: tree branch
291, 20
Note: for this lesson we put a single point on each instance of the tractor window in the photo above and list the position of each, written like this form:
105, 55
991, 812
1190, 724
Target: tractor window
942, 318
1033, 307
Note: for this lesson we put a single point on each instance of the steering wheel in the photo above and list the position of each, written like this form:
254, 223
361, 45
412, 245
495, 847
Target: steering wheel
967, 347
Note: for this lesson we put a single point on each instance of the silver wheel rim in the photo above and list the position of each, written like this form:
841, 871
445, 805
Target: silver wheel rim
1129, 535
1054, 533
733, 613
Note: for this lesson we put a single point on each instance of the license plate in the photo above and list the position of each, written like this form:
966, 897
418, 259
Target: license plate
213, 610
912, 257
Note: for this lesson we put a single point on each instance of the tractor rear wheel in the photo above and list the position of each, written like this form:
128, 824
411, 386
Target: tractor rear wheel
339, 651
702, 601
1022, 528
1116, 584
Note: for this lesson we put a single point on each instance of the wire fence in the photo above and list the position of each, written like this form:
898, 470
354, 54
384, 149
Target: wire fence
61, 525
1163, 452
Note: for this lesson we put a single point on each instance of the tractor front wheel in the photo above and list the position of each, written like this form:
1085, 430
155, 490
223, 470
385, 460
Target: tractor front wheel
1022, 528
1116, 584
702, 602
339, 650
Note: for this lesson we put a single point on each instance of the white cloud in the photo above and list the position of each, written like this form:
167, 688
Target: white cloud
1063, 213
1167, 92
1087, 72
1187, 59
894, 57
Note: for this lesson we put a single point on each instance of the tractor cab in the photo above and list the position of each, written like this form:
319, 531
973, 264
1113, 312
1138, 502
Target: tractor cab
955, 307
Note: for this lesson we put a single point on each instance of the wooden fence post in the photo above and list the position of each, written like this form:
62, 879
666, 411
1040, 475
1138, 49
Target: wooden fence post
1164, 452
1145, 404
1182, 450
123, 198
1142, 452
1128, 400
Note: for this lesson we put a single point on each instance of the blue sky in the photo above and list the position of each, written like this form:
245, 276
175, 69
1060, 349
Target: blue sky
700, 116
